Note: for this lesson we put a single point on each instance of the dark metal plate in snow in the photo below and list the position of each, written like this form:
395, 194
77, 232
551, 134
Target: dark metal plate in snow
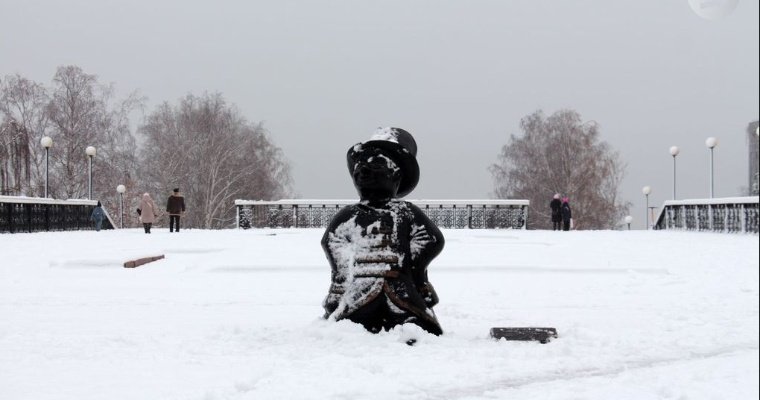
543, 335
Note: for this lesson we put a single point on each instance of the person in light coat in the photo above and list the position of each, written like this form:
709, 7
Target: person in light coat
148, 212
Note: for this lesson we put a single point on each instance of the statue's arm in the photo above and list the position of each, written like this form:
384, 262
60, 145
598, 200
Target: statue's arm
329, 241
330, 238
428, 239
426, 243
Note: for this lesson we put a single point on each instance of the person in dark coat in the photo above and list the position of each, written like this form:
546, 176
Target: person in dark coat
556, 206
567, 214
98, 215
379, 249
175, 206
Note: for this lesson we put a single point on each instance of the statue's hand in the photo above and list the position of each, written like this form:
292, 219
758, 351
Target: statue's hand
330, 303
333, 298
428, 294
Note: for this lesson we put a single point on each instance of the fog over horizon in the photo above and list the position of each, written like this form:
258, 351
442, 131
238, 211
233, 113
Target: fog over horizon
459, 76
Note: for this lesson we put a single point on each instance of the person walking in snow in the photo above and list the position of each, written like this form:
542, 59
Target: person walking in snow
556, 207
567, 214
175, 206
148, 212
379, 248
98, 215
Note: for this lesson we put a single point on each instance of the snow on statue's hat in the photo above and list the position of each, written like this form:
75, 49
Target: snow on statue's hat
397, 144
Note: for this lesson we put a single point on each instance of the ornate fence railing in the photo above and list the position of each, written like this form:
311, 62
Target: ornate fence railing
730, 215
28, 214
458, 214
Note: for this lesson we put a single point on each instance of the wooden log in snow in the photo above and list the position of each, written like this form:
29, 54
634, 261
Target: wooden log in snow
141, 261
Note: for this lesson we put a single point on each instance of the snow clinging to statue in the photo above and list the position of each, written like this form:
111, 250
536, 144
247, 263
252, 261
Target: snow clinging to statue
379, 249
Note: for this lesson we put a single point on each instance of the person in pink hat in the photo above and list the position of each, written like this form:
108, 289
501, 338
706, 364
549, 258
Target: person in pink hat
567, 214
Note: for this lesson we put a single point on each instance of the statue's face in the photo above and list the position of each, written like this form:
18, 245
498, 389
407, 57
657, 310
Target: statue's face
376, 176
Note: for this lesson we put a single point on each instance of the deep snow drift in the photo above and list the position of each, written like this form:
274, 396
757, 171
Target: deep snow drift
235, 315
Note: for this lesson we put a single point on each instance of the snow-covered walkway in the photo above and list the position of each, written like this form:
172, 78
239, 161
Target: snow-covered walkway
235, 315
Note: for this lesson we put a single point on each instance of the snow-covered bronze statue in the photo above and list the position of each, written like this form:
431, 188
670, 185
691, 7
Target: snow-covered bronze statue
379, 248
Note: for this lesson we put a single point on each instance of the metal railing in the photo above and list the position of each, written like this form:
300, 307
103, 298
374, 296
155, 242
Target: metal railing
29, 214
457, 214
729, 215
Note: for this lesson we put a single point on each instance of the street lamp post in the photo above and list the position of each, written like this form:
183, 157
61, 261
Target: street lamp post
646, 190
628, 220
711, 142
674, 150
121, 189
90, 154
46, 142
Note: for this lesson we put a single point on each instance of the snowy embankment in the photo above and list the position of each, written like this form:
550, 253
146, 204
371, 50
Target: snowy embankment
235, 315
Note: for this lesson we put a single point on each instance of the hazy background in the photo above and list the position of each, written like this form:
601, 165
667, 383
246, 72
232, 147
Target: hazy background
458, 75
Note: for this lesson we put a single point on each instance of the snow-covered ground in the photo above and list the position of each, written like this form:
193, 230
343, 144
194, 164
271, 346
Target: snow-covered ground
236, 315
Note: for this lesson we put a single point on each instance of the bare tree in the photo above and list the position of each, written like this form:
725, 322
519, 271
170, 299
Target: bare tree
15, 160
561, 154
23, 122
206, 148
82, 112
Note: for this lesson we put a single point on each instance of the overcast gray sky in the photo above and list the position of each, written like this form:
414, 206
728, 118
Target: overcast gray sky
459, 75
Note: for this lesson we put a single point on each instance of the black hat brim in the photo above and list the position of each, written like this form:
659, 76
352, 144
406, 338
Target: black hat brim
410, 170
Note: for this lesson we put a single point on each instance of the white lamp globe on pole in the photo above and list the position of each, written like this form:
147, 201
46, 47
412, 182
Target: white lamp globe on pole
121, 189
628, 220
674, 150
90, 151
711, 142
647, 190
47, 143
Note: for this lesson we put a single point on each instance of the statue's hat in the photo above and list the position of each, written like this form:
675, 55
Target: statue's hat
397, 144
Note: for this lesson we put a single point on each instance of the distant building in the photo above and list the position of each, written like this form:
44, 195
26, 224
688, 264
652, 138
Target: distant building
754, 173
